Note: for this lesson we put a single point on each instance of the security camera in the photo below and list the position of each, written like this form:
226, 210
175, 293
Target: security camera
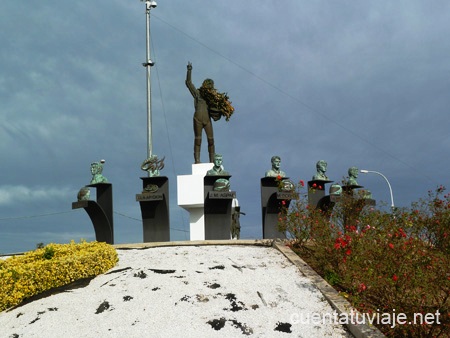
151, 4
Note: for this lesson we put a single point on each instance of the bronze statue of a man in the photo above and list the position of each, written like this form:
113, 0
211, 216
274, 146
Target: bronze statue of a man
217, 169
275, 170
96, 171
202, 119
352, 176
321, 167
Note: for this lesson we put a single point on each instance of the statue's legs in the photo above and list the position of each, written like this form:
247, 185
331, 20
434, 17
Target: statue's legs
210, 137
198, 128
197, 140
197, 147
211, 149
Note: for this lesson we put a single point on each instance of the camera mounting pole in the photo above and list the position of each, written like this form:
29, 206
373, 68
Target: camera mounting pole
148, 64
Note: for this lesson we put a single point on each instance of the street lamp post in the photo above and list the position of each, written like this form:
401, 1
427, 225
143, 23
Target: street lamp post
385, 178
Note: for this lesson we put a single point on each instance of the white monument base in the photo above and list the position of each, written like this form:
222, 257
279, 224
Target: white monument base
190, 195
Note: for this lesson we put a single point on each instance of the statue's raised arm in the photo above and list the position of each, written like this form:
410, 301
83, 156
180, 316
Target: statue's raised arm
189, 83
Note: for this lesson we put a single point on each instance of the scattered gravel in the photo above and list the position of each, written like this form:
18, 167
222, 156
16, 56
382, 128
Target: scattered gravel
182, 291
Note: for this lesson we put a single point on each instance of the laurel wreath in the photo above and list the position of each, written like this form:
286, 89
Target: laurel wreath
217, 101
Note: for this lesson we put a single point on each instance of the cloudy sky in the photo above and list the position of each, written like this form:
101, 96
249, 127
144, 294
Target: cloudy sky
356, 83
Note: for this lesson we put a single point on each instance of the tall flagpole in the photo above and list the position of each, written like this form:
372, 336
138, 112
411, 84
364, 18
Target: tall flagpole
152, 164
148, 64
155, 217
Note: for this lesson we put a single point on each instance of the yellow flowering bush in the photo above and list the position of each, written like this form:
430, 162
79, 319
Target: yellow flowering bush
52, 266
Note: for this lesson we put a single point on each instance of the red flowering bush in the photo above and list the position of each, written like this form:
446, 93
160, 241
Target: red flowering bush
382, 262
431, 219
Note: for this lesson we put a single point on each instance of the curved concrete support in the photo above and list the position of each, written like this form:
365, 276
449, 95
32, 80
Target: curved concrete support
100, 212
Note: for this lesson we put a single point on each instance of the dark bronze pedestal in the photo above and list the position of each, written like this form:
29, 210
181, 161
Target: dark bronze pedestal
154, 203
271, 205
217, 209
355, 205
316, 194
100, 212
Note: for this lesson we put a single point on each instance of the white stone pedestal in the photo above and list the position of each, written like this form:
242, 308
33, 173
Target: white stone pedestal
190, 195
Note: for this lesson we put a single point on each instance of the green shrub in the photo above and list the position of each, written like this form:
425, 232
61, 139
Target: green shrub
384, 262
49, 252
51, 266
